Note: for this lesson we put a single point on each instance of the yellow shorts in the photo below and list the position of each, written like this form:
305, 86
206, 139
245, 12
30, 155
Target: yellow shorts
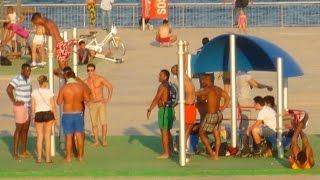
98, 111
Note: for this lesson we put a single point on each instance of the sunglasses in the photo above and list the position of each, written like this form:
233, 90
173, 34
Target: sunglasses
90, 70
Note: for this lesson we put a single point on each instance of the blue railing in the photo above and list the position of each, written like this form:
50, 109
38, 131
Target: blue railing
263, 14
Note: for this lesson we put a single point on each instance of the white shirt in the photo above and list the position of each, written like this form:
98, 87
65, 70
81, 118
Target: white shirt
243, 86
106, 5
13, 18
42, 99
268, 116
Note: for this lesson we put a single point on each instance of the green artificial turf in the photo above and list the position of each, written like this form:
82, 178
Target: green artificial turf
136, 156
16, 66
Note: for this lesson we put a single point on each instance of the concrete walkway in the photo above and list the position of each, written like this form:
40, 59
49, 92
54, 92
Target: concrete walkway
135, 81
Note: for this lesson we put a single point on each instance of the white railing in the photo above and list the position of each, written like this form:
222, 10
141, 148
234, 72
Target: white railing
273, 14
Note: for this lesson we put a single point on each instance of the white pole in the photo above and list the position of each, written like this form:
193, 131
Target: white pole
280, 107
181, 106
188, 60
232, 64
65, 36
189, 66
285, 93
75, 56
50, 75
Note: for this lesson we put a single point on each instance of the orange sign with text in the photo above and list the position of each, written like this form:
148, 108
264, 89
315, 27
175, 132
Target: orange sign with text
155, 9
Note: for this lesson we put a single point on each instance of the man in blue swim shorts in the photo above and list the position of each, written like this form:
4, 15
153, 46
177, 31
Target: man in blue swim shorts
71, 96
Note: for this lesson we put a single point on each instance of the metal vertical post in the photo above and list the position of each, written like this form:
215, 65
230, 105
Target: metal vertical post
50, 75
281, 15
232, 64
133, 16
84, 16
280, 107
75, 55
182, 152
183, 14
285, 93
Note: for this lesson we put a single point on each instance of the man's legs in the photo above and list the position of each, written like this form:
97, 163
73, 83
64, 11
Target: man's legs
16, 138
188, 132
93, 109
103, 122
216, 134
80, 144
205, 141
165, 143
24, 139
68, 147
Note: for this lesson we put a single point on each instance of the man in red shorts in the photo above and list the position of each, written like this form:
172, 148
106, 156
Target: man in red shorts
190, 96
63, 49
164, 33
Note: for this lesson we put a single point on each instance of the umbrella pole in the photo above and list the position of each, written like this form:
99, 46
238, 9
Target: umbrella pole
182, 152
75, 55
232, 64
280, 107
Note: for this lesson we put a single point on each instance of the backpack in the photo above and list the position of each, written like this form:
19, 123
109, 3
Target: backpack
173, 95
5, 61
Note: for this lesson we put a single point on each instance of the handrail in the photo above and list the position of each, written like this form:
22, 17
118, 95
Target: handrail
176, 4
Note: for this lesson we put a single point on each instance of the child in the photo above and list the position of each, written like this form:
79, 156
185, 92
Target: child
83, 53
242, 21
12, 19
38, 43
63, 49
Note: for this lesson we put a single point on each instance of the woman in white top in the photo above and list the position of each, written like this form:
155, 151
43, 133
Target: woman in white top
43, 113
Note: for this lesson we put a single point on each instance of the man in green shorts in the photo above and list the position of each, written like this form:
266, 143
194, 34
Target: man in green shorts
165, 112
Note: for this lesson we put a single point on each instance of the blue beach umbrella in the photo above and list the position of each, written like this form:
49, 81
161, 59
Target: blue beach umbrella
252, 54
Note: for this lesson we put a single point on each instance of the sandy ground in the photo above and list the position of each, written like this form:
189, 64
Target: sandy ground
135, 81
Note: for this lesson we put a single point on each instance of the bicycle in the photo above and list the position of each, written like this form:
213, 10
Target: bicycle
115, 45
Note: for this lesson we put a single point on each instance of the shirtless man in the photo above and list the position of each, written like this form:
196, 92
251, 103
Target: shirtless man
63, 49
190, 97
97, 104
164, 33
301, 158
211, 123
71, 96
165, 112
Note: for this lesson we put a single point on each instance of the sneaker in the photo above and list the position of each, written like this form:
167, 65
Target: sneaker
33, 64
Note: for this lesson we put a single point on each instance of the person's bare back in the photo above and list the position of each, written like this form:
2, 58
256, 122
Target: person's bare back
190, 90
72, 96
52, 30
164, 31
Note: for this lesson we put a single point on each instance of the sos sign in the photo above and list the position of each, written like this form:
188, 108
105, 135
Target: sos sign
159, 9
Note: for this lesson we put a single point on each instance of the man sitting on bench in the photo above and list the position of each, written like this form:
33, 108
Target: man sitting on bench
164, 34
264, 127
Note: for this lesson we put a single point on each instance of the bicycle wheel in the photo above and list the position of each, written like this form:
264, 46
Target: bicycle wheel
116, 47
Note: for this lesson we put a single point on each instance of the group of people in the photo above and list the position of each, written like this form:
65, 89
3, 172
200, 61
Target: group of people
34, 39
39, 107
211, 100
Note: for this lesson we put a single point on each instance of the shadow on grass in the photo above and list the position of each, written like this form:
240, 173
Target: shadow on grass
151, 142
31, 146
